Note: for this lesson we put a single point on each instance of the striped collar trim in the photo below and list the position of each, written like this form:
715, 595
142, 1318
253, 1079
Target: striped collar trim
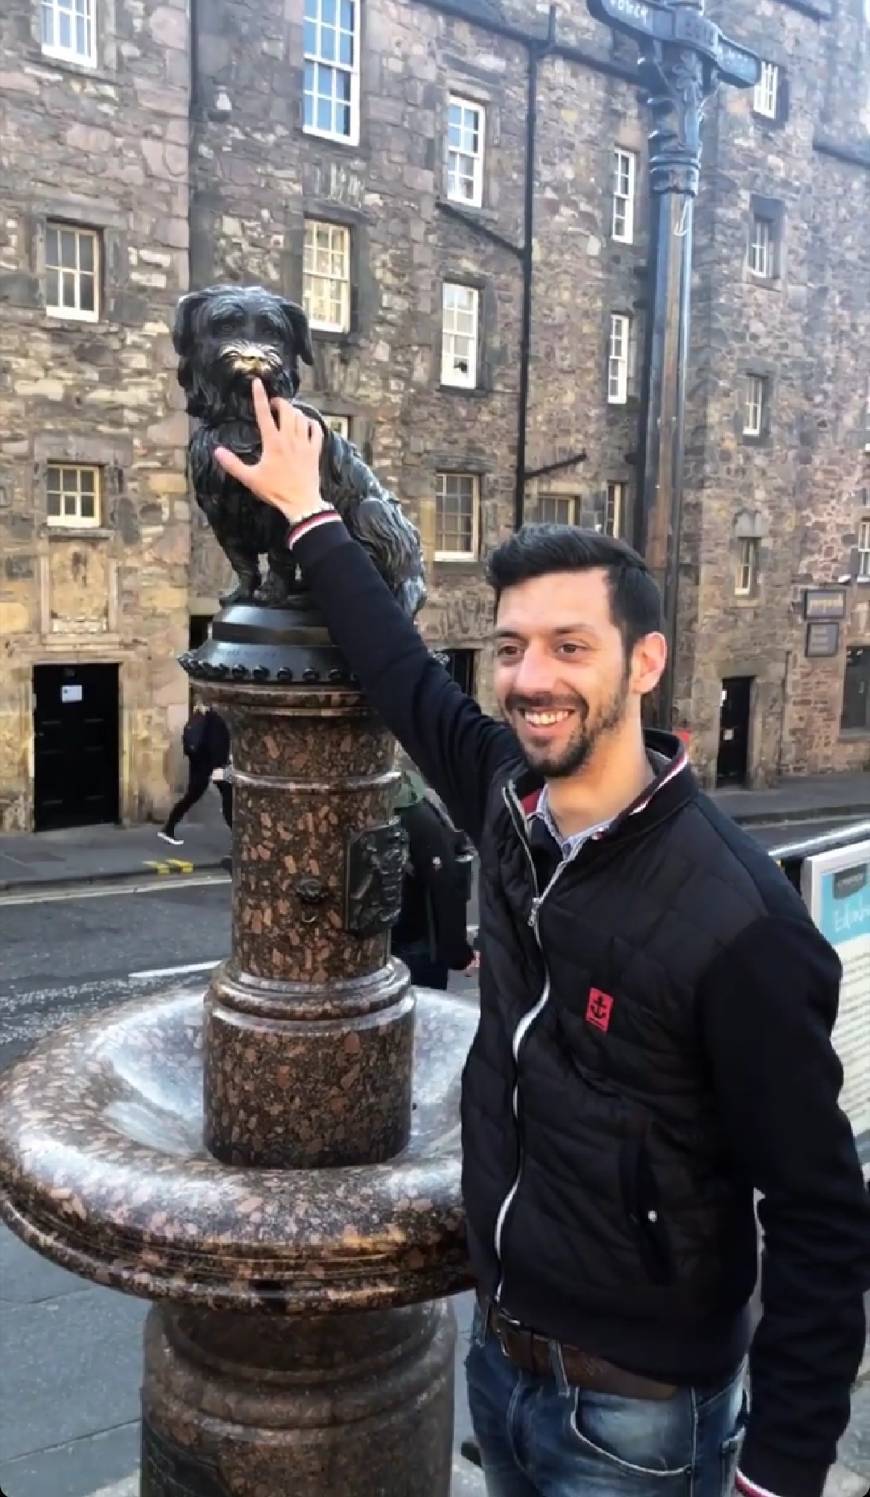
323, 517
530, 803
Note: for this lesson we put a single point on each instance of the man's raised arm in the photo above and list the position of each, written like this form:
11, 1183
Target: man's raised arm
456, 746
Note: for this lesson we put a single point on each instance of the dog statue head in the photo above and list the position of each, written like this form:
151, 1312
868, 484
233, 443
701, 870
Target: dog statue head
225, 335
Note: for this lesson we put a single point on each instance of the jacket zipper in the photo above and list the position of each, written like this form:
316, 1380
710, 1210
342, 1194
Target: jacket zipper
526, 1021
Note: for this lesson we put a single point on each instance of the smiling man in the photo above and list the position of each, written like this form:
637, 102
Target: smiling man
653, 1046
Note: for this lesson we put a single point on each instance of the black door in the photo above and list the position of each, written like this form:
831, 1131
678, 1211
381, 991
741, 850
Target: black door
75, 730
734, 731
460, 664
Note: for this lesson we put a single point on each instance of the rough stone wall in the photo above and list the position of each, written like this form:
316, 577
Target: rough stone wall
796, 487
103, 148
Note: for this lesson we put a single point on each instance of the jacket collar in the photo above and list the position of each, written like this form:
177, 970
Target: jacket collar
674, 785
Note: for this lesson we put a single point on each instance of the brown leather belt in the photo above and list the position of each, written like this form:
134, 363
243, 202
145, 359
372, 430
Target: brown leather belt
532, 1353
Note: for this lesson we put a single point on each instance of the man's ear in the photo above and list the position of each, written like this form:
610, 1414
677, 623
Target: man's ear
648, 661
297, 323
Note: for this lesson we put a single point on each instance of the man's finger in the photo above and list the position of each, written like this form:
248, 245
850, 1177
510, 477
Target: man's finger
233, 465
265, 419
283, 413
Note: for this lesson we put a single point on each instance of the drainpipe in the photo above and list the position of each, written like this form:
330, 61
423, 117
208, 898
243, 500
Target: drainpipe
536, 52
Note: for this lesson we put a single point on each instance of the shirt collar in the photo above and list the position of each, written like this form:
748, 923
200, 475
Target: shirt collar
568, 845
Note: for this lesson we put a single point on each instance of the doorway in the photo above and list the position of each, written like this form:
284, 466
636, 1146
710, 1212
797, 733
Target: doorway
75, 733
733, 759
460, 664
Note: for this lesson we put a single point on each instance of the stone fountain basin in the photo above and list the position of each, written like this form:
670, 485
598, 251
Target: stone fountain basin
103, 1169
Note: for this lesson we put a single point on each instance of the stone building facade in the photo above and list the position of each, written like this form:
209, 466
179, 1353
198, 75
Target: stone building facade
375, 159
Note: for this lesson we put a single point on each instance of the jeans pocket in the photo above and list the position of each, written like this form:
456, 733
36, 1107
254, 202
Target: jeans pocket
646, 1445
729, 1456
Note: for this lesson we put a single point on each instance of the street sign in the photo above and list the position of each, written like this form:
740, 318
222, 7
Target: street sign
684, 25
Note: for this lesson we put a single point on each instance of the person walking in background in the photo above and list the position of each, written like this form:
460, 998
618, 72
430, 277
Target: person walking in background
206, 744
431, 935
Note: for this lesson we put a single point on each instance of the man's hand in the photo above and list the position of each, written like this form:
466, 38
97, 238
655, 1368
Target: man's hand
288, 473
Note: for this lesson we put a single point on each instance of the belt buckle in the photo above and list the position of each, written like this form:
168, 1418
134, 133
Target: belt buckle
504, 1324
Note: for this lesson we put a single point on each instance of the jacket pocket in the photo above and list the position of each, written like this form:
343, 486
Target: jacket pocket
641, 1199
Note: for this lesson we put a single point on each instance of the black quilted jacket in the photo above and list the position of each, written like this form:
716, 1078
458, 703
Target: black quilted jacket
653, 1048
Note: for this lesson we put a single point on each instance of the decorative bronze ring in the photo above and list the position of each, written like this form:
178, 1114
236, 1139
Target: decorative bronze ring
311, 892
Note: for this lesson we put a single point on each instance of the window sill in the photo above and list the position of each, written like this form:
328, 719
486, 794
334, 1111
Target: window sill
79, 319
37, 57
457, 559
332, 335
347, 141
78, 532
852, 735
763, 282
474, 392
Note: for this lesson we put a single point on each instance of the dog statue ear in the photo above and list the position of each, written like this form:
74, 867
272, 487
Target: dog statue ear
298, 324
183, 328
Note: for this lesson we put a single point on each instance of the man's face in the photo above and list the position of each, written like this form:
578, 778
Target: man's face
561, 675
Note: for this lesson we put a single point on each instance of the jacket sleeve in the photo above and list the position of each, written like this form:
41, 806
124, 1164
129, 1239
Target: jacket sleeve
767, 1009
455, 745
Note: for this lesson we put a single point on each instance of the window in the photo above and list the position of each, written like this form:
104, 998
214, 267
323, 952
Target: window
856, 688
746, 577
755, 404
557, 509
73, 495
618, 357
72, 260
340, 425
460, 305
762, 247
68, 30
465, 132
326, 276
614, 508
457, 504
331, 48
765, 99
864, 549
624, 176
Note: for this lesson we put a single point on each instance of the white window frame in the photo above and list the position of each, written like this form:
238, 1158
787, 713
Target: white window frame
762, 248
864, 549
458, 155
337, 243
624, 195
69, 486
339, 424
459, 343
442, 481
329, 69
746, 575
618, 358
765, 97
754, 405
76, 313
614, 507
51, 12
557, 500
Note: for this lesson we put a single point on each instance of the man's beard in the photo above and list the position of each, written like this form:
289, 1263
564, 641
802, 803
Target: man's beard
555, 764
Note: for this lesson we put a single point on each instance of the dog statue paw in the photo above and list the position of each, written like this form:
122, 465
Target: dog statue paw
225, 336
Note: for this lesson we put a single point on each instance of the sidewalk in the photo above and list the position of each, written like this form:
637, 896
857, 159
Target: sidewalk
89, 854
807, 798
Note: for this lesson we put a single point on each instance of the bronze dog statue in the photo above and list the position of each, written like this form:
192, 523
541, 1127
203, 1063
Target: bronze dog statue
224, 337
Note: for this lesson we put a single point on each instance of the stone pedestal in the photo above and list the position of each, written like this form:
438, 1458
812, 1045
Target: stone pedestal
277, 1168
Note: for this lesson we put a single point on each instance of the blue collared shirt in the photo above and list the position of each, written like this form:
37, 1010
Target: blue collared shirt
568, 846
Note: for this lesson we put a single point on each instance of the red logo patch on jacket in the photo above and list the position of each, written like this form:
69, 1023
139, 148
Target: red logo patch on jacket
599, 1009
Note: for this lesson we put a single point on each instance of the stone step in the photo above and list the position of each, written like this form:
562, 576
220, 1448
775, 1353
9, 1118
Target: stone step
467, 1482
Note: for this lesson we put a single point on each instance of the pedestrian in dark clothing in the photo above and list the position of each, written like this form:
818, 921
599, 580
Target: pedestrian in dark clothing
654, 1044
206, 743
431, 933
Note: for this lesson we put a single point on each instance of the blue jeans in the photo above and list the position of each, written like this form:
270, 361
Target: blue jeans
539, 1437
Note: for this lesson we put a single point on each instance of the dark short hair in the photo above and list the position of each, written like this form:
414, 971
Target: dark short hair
537, 550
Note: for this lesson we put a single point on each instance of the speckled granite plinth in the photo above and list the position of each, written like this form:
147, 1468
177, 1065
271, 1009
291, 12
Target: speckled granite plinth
309, 1029
356, 1406
279, 1167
